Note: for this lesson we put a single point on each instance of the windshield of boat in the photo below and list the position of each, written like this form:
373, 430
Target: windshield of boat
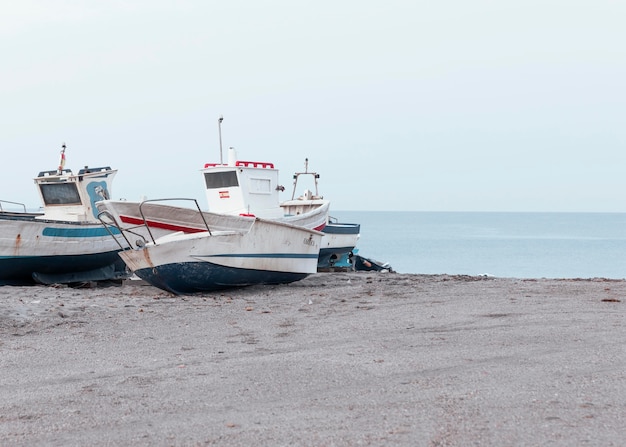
220, 179
60, 194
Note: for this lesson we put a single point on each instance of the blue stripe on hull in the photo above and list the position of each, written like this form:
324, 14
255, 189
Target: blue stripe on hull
192, 277
21, 269
80, 232
342, 228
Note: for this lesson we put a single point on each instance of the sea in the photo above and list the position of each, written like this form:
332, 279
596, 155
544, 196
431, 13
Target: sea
500, 244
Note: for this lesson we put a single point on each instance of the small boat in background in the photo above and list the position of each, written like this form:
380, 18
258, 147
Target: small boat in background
340, 238
361, 263
212, 251
65, 242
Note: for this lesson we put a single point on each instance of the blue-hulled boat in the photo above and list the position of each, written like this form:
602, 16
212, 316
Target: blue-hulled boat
65, 242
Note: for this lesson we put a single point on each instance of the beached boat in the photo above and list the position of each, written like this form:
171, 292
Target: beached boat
153, 219
252, 188
65, 242
213, 251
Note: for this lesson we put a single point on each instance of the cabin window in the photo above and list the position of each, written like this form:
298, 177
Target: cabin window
220, 179
60, 194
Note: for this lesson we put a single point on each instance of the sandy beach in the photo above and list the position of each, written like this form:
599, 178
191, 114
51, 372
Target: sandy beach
337, 359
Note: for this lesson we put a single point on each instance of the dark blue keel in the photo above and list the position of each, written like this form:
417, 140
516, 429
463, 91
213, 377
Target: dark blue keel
60, 269
193, 277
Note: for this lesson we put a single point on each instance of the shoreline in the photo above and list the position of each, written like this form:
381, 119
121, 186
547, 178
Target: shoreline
344, 358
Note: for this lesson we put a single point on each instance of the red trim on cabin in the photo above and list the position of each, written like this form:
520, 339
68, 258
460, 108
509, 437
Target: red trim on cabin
254, 164
245, 164
247, 215
162, 225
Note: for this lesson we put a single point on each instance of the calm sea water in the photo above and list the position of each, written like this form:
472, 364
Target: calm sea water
519, 245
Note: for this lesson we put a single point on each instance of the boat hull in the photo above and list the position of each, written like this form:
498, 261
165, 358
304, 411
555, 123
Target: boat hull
266, 253
29, 246
313, 214
150, 221
194, 277
338, 241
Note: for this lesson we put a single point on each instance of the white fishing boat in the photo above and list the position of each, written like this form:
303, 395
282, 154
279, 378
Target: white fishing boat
251, 188
150, 219
65, 242
213, 251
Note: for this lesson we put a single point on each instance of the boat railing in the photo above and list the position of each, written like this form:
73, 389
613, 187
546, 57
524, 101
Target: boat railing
88, 170
145, 220
297, 175
55, 172
123, 231
11, 203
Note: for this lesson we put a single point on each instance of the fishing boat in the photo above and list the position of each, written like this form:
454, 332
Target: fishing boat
251, 188
65, 242
213, 251
166, 219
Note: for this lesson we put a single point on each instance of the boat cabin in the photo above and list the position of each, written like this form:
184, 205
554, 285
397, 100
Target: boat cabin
69, 197
248, 188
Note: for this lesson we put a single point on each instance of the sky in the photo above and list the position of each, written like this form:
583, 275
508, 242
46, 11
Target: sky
484, 105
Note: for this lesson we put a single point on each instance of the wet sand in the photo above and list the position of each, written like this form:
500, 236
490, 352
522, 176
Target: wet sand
338, 359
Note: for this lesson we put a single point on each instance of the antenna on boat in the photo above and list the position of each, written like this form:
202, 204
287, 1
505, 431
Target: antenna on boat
62, 160
219, 128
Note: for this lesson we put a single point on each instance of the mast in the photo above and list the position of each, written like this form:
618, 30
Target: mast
219, 127
61, 160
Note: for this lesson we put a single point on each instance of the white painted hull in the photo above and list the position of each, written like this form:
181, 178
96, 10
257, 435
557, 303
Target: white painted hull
29, 246
336, 241
266, 253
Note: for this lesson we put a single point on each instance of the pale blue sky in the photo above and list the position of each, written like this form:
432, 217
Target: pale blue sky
403, 104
